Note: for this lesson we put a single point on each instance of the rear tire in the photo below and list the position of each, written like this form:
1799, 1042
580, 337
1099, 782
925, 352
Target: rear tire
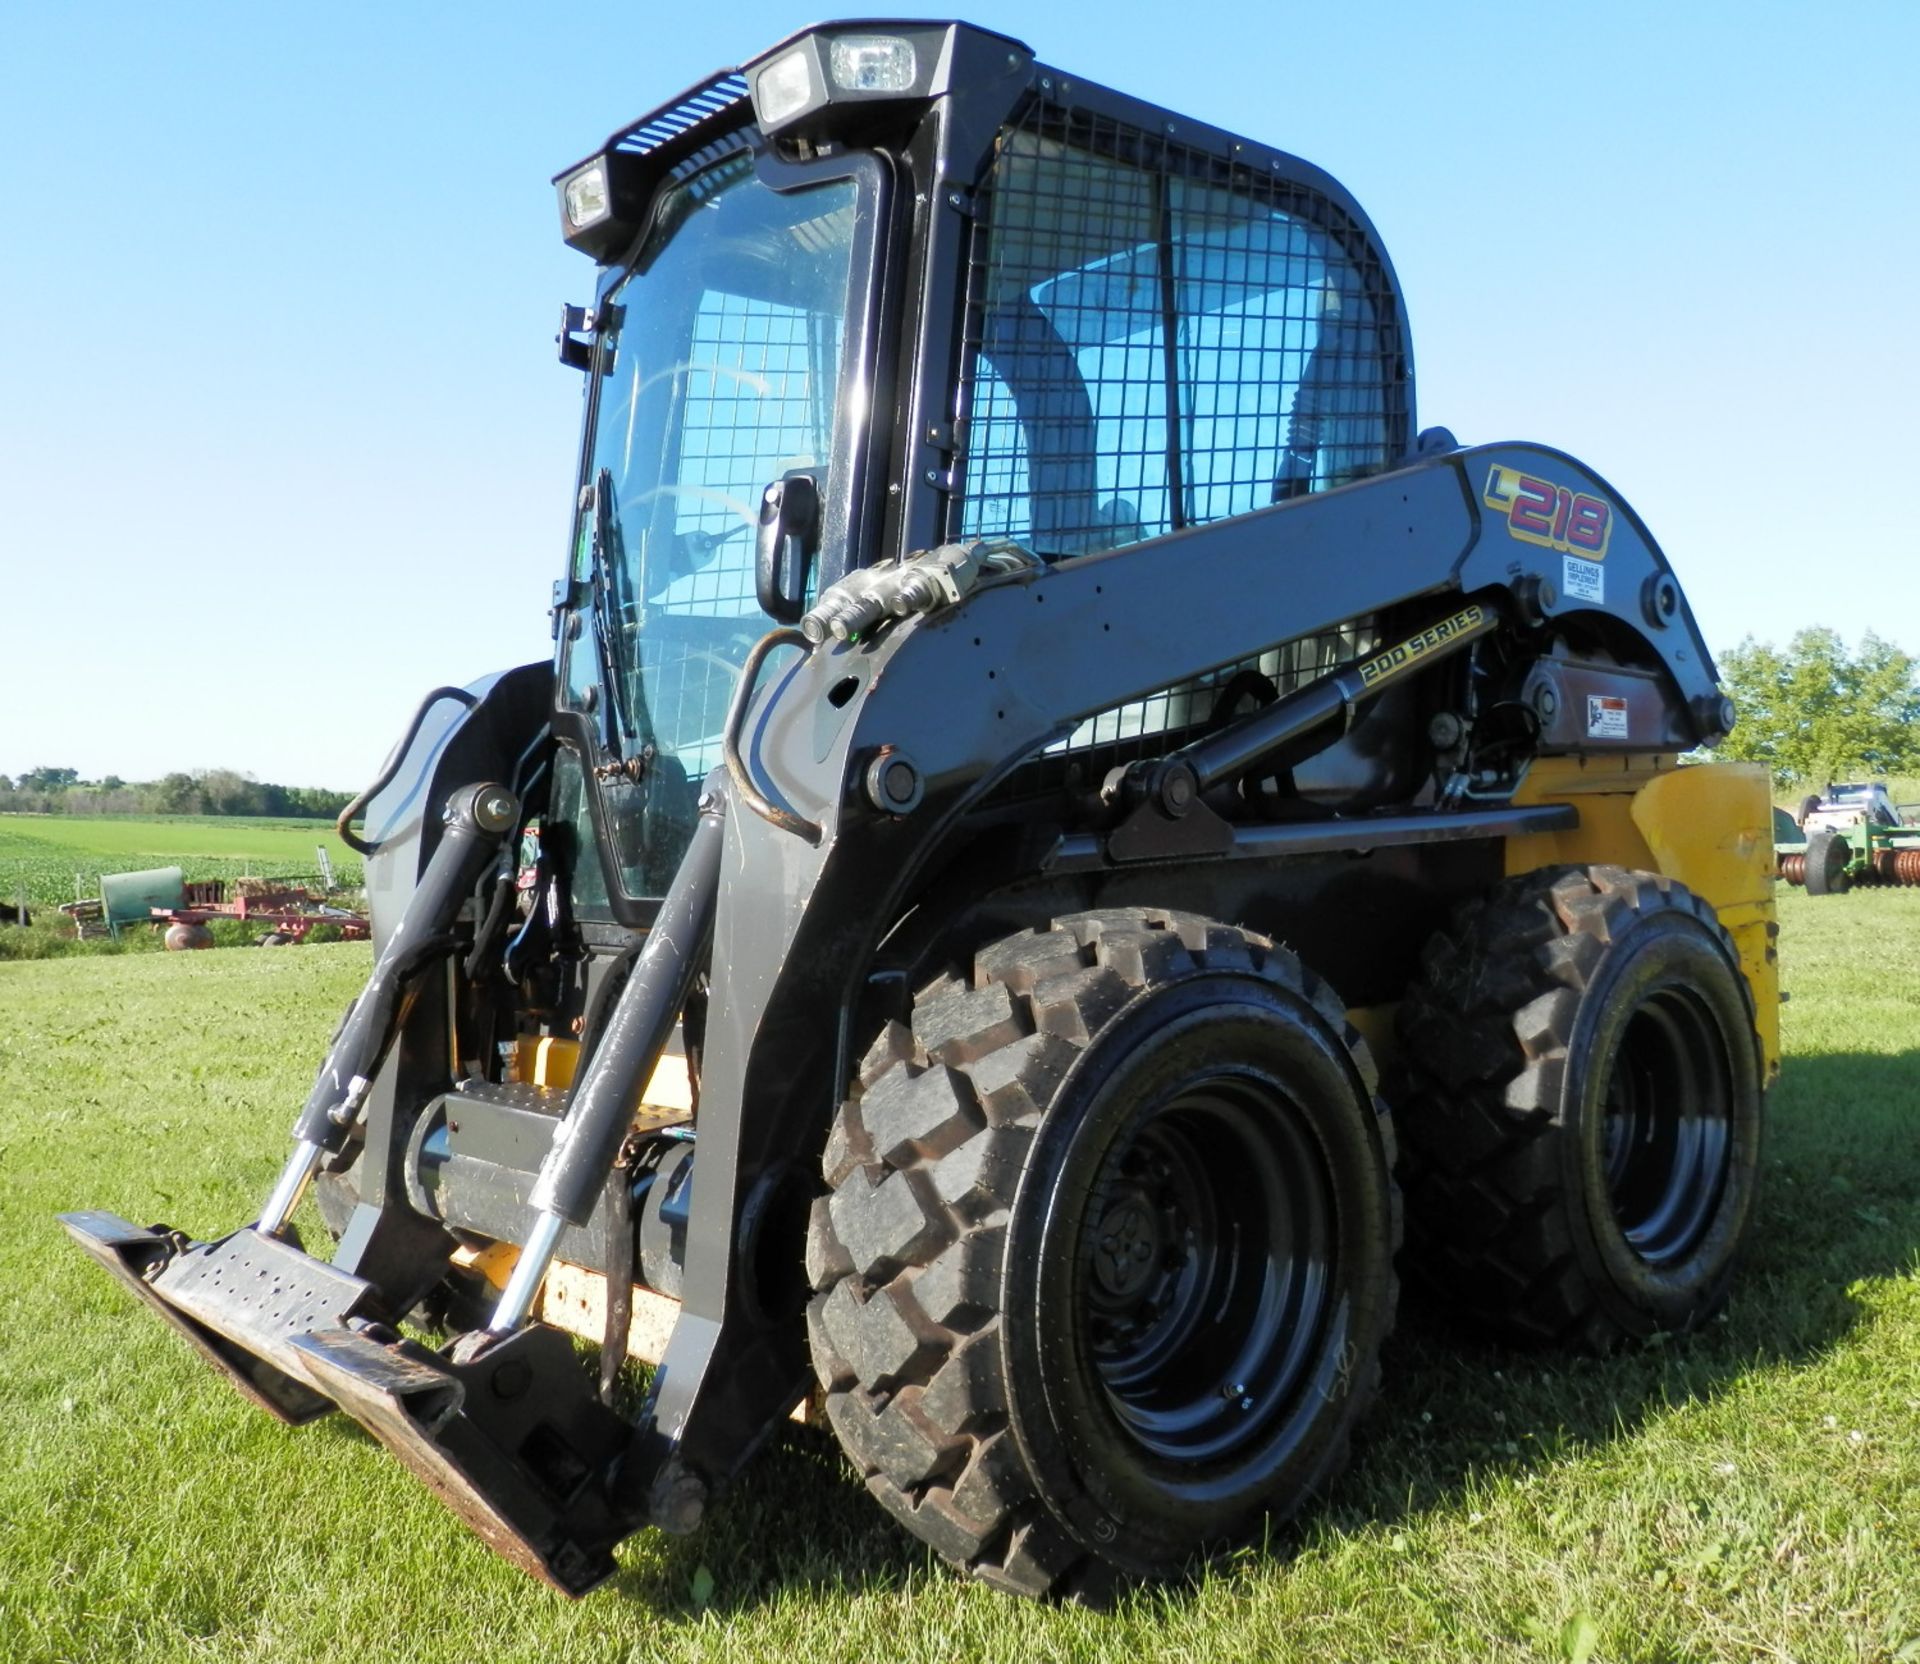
1107, 1259
1580, 1101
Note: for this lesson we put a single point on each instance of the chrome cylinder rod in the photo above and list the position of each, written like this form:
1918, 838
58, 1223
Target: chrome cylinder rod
587, 1140
529, 1271
292, 1185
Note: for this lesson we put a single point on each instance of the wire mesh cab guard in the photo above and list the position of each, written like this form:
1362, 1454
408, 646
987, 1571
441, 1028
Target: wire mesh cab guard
1156, 338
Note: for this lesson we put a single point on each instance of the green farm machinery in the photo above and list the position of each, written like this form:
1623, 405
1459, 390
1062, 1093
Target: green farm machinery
1847, 835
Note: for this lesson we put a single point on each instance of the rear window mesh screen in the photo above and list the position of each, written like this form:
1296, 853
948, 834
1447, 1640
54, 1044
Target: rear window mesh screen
758, 402
755, 401
1156, 340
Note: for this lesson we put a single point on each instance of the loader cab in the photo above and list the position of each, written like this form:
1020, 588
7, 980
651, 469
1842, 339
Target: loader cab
893, 285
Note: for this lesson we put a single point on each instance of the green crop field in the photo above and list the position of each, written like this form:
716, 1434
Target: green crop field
1751, 1492
46, 854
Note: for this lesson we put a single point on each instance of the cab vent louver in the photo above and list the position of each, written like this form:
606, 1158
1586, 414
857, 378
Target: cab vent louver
698, 104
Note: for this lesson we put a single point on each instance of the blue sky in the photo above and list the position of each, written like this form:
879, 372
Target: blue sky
283, 442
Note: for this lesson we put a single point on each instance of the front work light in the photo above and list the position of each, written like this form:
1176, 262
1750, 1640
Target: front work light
586, 196
815, 85
603, 201
872, 63
785, 87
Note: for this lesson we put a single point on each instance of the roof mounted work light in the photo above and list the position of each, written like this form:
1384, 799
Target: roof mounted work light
841, 81
601, 204
808, 76
814, 83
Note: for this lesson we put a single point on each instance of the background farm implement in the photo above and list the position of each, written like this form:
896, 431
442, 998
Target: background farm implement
287, 909
1848, 835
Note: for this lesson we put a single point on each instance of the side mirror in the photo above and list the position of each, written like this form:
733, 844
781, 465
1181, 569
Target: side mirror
789, 533
575, 353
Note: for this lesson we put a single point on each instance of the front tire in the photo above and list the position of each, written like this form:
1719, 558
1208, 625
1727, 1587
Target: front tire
1107, 1259
1829, 858
1581, 1106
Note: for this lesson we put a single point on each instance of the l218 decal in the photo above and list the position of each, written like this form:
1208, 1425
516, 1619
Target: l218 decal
1538, 511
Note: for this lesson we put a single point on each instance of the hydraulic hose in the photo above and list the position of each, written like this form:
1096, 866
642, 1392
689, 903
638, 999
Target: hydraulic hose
744, 786
477, 818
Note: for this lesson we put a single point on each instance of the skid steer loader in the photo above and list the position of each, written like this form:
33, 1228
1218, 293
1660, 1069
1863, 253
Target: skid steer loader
1054, 805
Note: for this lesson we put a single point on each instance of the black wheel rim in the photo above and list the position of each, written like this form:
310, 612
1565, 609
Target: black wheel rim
1667, 1126
1206, 1266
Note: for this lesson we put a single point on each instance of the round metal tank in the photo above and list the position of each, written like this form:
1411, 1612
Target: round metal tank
130, 897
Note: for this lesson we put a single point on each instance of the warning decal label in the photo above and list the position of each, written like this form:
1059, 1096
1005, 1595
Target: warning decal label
1606, 717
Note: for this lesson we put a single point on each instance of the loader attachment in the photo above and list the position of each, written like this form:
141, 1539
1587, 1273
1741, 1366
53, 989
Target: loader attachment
512, 1439
504, 1425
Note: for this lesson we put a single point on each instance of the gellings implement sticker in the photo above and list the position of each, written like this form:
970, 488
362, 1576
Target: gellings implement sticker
1538, 511
1582, 580
1606, 717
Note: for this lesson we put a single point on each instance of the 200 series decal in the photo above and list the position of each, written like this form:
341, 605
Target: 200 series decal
1538, 511
1393, 660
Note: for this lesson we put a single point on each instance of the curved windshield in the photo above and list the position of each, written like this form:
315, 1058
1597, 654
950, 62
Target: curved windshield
718, 370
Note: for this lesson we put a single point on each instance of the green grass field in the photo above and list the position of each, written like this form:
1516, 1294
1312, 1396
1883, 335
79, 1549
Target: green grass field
1750, 1493
44, 853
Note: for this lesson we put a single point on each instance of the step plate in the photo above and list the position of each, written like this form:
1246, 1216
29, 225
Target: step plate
150, 1261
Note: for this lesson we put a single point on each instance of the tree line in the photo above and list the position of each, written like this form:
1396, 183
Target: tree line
213, 791
1816, 711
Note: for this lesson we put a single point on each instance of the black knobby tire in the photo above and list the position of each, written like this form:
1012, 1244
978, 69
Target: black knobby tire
1108, 1253
1828, 857
1579, 1101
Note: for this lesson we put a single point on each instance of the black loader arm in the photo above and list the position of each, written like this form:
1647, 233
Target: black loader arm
1027, 658
488, 730
1551, 528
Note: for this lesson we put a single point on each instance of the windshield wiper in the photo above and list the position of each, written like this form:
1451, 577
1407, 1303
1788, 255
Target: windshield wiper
621, 725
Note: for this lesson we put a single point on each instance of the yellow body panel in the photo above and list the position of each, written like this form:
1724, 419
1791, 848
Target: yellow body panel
1375, 1023
1708, 826
550, 1061
1711, 828
575, 1299
553, 1061
494, 1262
671, 1086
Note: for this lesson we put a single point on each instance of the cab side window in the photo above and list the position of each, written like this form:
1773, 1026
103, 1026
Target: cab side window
1153, 351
